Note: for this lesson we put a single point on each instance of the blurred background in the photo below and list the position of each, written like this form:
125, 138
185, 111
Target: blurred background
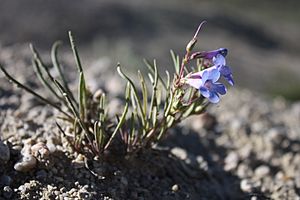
262, 36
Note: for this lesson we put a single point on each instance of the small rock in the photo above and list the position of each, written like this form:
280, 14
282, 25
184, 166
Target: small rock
202, 164
27, 163
179, 152
275, 135
262, 171
26, 150
4, 153
244, 171
236, 124
7, 192
97, 94
246, 185
51, 146
40, 150
84, 195
175, 188
231, 161
79, 161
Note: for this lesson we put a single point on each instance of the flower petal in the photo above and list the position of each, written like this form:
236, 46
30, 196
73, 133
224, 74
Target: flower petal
213, 75
219, 60
195, 75
224, 70
205, 74
229, 78
194, 82
214, 97
219, 88
223, 51
204, 91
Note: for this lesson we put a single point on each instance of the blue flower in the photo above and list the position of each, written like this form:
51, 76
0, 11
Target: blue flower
206, 82
217, 58
220, 64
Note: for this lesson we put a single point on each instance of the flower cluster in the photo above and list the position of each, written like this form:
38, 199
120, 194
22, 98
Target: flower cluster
213, 67
206, 80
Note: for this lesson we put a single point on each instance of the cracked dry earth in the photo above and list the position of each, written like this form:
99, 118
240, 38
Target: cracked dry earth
246, 147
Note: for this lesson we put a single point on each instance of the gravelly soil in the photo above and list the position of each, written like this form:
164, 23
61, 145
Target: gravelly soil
247, 147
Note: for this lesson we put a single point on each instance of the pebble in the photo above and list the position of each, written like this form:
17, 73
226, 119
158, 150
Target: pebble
26, 163
275, 135
40, 150
262, 171
175, 188
51, 146
4, 153
179, 152
231, 161
202, 164
79, 161
7, 192
243, 171
246, 185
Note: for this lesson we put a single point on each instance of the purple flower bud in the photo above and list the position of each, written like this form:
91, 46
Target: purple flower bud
210, 54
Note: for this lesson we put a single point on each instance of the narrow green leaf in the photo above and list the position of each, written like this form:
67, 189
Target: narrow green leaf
123, 117
102, 113
152, 71
153, 102
158, 95
134, 90
133, 101
151, 78
170, 121
189, 111
75, 52
175, 59
201, 108
154, 116
144, 91
38, 65
40, 76
132, 129
168, 91
82, 98
168, 80
169, 104
96, 135
75, 112
56, 64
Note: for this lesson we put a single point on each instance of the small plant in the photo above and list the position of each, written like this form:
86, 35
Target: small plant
148, 115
